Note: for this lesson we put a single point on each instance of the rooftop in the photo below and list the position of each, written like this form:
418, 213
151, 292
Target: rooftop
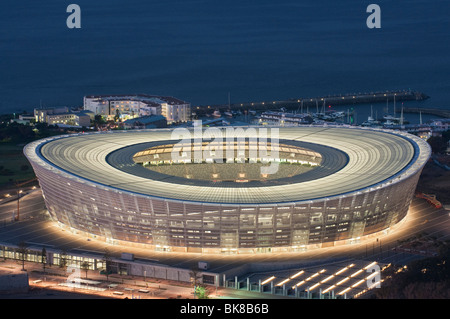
375, 157
145, 119
138, 97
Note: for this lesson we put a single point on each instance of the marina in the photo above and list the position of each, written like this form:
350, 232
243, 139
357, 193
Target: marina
306, 104
340, 110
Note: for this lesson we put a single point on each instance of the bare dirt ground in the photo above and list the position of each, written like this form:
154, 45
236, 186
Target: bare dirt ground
435, 180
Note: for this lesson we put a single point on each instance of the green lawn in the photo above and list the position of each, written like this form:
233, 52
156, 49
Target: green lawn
11, 162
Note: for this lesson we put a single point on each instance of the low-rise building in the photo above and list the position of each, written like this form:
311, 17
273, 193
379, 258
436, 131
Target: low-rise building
26, 117
62, 115
40, 115
69, 118
131, 106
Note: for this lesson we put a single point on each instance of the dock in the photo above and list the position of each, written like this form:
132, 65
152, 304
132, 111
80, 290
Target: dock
319, 102
437, 112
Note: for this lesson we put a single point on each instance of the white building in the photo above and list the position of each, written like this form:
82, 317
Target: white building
40, 115
132, 106
62, 115
69, 118
176, 112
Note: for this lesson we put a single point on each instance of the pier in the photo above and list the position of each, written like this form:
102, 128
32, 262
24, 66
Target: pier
437, 112
319, 102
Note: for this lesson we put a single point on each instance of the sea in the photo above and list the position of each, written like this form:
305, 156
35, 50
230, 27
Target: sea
207, 51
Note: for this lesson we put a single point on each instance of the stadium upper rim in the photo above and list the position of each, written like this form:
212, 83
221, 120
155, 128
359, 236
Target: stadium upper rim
376, 158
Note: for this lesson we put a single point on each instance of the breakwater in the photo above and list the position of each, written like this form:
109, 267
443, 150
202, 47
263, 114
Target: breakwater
319, 102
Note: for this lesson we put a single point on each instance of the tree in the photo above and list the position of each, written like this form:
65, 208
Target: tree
44, 258
85, 266
63, 259
438, 144
421, 279
201, 291
23, 251
117, 116
446, 136
98, 121
195, 279
107, 262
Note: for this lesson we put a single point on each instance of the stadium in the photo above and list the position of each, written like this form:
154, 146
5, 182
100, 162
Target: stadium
296, 189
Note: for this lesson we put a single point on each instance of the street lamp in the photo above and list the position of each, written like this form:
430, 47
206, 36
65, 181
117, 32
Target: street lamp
18, 208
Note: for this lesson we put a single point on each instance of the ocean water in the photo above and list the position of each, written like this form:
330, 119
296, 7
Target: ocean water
201, 50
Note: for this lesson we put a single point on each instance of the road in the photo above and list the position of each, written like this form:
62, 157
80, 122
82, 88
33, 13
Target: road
33, 228
31, 204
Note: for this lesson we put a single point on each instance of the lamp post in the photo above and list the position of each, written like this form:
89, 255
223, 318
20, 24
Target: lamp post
18, 207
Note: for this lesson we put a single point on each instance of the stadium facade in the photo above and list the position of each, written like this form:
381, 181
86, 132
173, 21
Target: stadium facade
362, 183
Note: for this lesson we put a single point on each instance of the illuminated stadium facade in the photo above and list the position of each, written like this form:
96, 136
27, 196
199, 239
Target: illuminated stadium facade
334, 186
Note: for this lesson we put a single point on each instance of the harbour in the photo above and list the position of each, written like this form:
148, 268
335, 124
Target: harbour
305, 104
384, 110
437, 112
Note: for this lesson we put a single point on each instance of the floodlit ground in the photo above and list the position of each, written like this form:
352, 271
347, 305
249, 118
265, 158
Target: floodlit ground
229, 172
